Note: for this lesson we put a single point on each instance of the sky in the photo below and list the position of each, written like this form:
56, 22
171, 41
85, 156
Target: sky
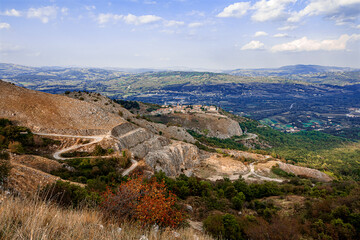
180, 34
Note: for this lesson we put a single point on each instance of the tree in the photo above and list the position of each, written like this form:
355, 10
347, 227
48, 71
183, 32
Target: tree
238, 201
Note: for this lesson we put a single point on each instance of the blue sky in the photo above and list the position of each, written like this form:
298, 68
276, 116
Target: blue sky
196, 34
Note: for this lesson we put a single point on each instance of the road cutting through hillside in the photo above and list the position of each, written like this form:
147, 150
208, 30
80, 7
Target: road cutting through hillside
57, 154
252, 172
99, 138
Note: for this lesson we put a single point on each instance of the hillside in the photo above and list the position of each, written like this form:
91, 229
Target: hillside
240, 182
88, 119
48, 113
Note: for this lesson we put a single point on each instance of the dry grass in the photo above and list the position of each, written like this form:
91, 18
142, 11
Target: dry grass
33, 219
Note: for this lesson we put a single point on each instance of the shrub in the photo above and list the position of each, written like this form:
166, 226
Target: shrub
66, 194
16, 147
281, 173
2, 140
225, 226
148, 202
4, 155
99, 151
5, 122
5, 168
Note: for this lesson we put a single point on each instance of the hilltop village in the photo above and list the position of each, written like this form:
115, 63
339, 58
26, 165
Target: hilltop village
168, 109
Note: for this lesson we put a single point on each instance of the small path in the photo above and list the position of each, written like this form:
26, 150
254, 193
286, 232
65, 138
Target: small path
130, 169
57, 154
130, 132
249, 136
99, 138
252, 172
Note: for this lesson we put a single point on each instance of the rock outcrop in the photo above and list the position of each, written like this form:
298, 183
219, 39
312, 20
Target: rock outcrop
174, 159
160, 153
304, 171
211, 125
265, 168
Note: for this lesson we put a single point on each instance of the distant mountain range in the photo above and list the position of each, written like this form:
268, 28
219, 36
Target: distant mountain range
122, 81
289, 70
7, 69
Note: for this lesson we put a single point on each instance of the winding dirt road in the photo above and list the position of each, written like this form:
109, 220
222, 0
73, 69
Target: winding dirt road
57, 154
253, 173
96, 139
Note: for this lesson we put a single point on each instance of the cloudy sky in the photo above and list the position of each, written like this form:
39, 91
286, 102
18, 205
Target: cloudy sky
197, 34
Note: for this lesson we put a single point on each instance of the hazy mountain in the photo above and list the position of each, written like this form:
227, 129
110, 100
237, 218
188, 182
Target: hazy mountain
289, 70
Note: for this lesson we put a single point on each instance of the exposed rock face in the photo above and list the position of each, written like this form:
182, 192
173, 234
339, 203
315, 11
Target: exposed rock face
159, 153
138, 140
174, 159
304, 171
211, 125
175, 132
296, 170
216, 167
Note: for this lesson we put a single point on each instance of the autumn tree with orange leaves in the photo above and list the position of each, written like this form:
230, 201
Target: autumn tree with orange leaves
148, 202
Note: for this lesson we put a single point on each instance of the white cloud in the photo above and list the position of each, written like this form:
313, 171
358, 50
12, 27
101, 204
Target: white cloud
195, 24
270, 10
235, 10
128, 19
107, 17
173, 23
253, 45
263, 10
4, 25
358, 26
305, 44
90, 8
12, 13
260, 33
339, 10
43, 13
287, 28
139, 20
281, 35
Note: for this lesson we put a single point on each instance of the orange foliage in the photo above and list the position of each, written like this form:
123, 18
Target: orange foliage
148, 202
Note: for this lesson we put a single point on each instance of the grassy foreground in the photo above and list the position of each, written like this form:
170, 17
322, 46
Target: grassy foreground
34, 219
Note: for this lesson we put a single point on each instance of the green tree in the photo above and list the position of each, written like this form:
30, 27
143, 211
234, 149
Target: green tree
238, 201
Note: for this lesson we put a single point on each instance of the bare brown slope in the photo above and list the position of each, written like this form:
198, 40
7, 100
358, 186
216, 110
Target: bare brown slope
43, 112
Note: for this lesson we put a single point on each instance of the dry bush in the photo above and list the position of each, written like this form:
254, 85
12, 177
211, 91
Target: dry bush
16, 147
33, 219
147, 202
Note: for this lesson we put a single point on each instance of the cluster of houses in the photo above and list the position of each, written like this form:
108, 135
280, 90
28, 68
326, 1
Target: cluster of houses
168, 109
354, 112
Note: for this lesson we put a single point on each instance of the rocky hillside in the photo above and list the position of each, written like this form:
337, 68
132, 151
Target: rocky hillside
96, 117
43, 112
211, 125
